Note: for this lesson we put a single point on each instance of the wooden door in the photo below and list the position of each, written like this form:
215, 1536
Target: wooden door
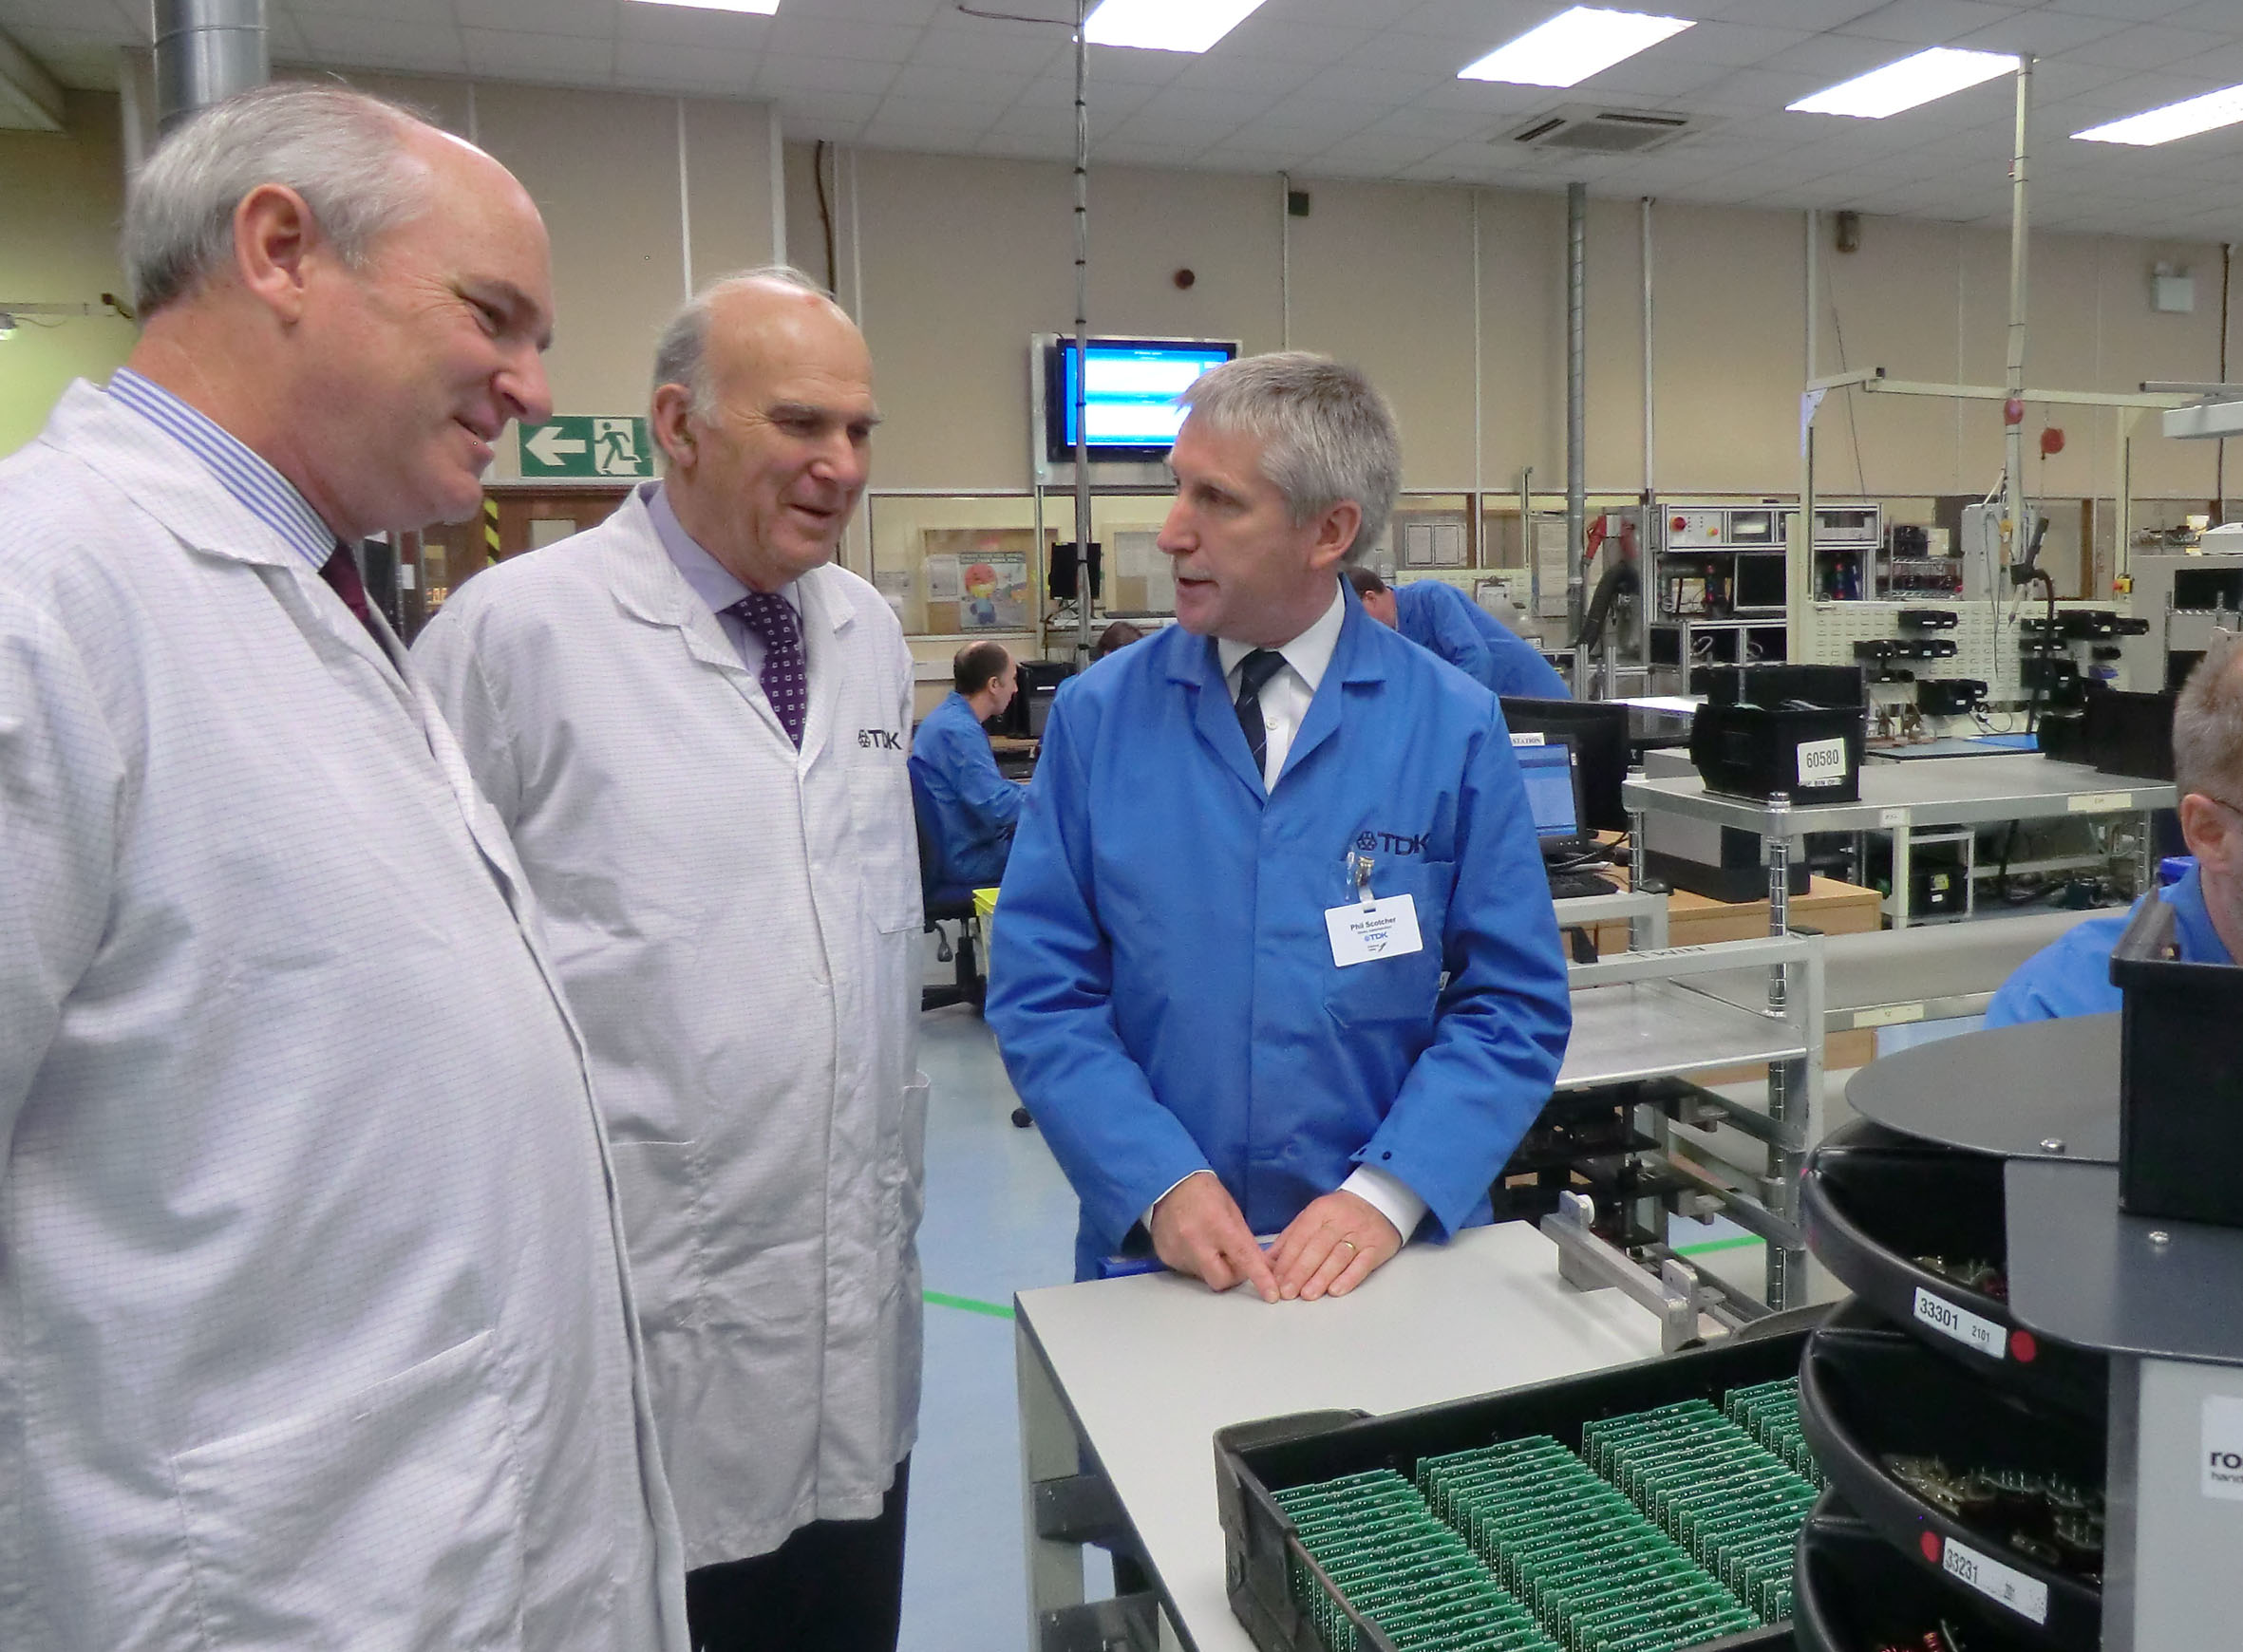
515, 519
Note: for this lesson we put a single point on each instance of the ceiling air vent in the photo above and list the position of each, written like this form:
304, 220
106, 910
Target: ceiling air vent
1601, 131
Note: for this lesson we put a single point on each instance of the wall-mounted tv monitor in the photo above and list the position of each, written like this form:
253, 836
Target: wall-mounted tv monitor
1129, 395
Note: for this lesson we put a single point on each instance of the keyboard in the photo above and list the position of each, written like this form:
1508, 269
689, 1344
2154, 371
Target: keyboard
1567, 886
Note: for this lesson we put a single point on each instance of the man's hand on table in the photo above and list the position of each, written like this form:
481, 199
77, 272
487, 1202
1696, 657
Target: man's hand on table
1197, 1229
1331, 1247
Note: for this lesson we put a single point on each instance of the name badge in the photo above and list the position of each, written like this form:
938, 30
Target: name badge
1363, 930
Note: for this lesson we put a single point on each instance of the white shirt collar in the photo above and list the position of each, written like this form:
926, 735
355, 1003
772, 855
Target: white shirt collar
1308, 654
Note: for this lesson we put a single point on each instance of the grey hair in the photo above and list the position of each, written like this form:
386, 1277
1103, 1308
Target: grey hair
681, 354
2207, 723
337, 148
1327, 434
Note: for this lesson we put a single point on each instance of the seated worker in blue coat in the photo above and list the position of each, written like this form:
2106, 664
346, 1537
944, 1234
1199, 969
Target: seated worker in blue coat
2072, 974
975, 807
1437, 617
1275, 952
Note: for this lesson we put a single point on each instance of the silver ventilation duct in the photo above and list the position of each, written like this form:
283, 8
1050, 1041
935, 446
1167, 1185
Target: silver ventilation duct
206, 51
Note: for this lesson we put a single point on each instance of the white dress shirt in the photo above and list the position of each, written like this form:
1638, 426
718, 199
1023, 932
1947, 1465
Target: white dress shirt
1285, 700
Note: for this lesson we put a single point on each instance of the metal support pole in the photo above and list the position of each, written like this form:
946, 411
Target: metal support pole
1787, 1080
2015, 536
1576, 401
206, 51
1647, 518
1082, 335
1799, 550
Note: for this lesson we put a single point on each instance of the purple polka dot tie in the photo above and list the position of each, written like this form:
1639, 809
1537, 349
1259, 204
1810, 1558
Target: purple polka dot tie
786, 675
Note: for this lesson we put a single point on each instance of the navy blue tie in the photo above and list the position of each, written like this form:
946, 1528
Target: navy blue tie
1254, 673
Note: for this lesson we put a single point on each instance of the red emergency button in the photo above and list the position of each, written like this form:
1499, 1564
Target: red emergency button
1680, 524
2023, 1348
1930, 1544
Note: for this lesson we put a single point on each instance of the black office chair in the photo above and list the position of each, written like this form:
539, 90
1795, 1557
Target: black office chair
946, 903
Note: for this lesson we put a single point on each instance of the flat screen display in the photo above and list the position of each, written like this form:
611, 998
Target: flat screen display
1759, 584
1548, 771
1129, 396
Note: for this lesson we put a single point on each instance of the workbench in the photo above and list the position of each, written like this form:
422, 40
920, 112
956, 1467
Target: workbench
1919, 804
1124, 1381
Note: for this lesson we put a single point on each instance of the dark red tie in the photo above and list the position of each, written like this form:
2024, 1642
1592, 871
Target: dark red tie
341, 571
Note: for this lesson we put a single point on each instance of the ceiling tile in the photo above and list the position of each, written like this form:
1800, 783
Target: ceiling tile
593, 18
1929, 22
816, 36
668, 66
2148, 47
567, 58
362, 41
799, 77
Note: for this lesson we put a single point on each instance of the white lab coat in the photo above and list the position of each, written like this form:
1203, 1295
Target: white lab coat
737, 926
313, 1331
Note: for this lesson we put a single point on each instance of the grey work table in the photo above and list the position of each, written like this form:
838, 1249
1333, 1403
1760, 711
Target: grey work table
1131, 1378
1907, 799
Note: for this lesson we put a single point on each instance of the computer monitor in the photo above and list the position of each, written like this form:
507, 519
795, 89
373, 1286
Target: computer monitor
1129, 395
1598, 730
1760, 583
1036, 682
1553, 788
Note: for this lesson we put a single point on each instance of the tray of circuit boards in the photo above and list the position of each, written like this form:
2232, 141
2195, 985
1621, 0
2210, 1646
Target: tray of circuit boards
1648, 1508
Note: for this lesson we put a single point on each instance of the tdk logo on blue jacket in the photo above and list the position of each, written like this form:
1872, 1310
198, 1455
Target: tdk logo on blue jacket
1390, 843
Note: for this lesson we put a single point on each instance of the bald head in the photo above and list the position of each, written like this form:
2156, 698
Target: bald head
763, 409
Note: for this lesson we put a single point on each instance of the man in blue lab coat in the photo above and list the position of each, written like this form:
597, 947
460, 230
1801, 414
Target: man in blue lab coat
2072, 974
1219, 1036
1437, 617
974, 806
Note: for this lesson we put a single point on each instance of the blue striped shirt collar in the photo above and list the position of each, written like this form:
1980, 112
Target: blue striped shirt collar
261, 490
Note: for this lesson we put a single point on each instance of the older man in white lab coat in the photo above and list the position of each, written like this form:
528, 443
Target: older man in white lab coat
696, 726
316, 1326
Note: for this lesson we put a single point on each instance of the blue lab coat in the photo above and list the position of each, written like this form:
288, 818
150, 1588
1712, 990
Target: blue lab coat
1162, 982
975, 806
1439, 616
2072, 974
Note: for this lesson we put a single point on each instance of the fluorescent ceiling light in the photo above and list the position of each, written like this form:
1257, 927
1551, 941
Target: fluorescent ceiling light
1572, 46
759, 8
1166, 25
2182, 119
1904, 84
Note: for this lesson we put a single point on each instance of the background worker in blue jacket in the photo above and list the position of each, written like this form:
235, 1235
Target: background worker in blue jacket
1437, 615
1255, 845
2072, 974
975, 807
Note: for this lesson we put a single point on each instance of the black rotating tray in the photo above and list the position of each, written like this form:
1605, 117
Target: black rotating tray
1866, 1387
1252, 1459
1874, 1200
1853, 1593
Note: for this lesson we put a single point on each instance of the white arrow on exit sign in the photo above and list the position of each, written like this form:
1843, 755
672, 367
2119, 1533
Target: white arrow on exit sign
552, 448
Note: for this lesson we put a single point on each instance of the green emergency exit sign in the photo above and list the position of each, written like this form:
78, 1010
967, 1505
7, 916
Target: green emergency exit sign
586, 445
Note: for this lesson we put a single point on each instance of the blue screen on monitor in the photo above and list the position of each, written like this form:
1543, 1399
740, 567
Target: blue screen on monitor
1548, 771
1129, 403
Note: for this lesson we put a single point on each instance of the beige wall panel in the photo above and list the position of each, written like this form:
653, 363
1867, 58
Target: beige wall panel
1890, 305
962, 260
2146, 345
728, 176
1732, 347
602, 167
60, 196
805, 230
1382, 277
1522, 310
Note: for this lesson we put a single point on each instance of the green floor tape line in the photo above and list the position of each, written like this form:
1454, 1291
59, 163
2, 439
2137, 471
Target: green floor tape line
967, 1303
1716, 1244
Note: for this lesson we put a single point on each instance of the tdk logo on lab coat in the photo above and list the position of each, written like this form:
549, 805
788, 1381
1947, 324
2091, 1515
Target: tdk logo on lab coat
884, 740
1390, 843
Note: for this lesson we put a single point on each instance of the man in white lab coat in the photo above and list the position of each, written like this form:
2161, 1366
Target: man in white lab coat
317, 1331
696, 726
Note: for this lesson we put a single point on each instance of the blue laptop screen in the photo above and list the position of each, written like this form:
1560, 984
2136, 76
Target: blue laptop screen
1548, 771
